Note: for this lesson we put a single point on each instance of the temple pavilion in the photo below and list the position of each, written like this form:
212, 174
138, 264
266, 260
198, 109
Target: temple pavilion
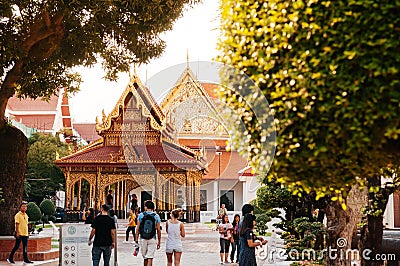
136, 150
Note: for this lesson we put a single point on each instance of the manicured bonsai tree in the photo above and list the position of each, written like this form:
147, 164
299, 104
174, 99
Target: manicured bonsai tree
34, 214
48, 209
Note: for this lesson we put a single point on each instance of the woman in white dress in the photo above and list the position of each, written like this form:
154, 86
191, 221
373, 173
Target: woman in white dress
175, 231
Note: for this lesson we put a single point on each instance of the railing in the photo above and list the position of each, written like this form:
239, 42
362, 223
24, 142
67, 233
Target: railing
187, 216
73, 216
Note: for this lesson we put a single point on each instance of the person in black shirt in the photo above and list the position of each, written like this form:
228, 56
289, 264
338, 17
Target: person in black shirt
88, 216
103, 231
247, 256
134, 201
109, 199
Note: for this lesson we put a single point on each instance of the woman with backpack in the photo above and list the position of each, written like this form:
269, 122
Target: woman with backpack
175, 231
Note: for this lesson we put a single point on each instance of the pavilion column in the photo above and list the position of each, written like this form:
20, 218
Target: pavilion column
156, 194
97, 194
67, 188
90, 195
117, 203
170, 194
123, 198
197, 192
187, 191
73, 196
79, 194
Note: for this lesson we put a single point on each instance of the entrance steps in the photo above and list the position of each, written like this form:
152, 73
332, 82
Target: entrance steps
190, 228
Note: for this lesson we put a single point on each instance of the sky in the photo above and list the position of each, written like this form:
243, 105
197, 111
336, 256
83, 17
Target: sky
195, 34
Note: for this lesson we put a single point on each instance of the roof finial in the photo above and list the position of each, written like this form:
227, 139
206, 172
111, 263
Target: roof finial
187, 58
135, 70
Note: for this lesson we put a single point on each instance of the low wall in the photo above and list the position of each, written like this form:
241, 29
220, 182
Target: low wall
39, 248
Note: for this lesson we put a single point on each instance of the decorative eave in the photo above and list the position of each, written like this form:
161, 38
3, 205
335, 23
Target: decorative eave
84, 149
187, 74
135, 85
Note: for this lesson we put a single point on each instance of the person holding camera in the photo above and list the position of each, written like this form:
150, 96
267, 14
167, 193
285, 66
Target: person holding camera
225, 230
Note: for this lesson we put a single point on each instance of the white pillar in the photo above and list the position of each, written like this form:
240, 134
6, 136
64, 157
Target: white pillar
388, 217
215, 209
244, 185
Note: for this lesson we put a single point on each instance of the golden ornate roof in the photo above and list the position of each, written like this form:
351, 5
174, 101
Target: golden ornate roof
143, 94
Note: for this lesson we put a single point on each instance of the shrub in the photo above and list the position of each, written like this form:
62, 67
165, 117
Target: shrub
262, 220
47, 207
33, 212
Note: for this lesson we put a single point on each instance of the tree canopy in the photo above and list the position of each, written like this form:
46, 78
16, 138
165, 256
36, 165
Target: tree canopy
42, 174
43, 40
330, 70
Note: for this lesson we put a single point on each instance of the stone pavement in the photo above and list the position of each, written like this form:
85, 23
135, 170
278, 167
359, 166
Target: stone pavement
200, 248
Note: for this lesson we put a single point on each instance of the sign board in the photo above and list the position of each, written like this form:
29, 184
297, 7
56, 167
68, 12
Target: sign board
74, 248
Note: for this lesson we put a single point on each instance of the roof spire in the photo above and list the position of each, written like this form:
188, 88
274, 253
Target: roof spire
187, 58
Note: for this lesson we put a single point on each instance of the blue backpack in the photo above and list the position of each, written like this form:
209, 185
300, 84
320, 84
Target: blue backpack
147, 227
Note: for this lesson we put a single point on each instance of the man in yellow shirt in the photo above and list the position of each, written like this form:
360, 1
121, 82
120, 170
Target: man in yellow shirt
21, 234
131, 226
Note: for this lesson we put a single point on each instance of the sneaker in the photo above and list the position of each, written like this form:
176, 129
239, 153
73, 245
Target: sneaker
28, 262
125, 241
136, 251
10, 261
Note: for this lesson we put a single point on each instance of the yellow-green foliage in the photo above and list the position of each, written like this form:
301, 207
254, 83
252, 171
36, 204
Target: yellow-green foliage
330, 71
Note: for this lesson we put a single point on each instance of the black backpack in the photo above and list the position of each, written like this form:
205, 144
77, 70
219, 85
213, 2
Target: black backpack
147, 227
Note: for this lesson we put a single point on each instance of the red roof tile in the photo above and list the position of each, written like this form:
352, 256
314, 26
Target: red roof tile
231, 163
210, 89
40, 122
87, 131
16, 104
65, 110
199, 143
154, 154
247, 171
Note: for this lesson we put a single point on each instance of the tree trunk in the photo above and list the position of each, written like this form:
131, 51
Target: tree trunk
372, 232
342, 226
14, 148
371, 238
340, 229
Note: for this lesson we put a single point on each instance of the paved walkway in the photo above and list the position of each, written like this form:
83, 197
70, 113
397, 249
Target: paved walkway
200, 248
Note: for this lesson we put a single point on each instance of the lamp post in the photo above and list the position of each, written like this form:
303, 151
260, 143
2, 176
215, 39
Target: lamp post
218, 153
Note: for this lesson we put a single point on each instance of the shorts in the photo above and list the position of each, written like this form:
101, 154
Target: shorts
172, 250
148, 247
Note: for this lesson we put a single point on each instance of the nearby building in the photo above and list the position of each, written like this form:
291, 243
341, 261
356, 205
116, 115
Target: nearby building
52, 116
192, 108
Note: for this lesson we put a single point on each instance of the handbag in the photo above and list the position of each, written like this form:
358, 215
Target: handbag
232, 239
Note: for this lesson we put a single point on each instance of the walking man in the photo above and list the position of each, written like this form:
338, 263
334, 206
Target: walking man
147, 226
21, 234
103, 231
110, 199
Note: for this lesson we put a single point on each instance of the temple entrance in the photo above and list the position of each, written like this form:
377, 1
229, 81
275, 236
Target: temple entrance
145, 195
